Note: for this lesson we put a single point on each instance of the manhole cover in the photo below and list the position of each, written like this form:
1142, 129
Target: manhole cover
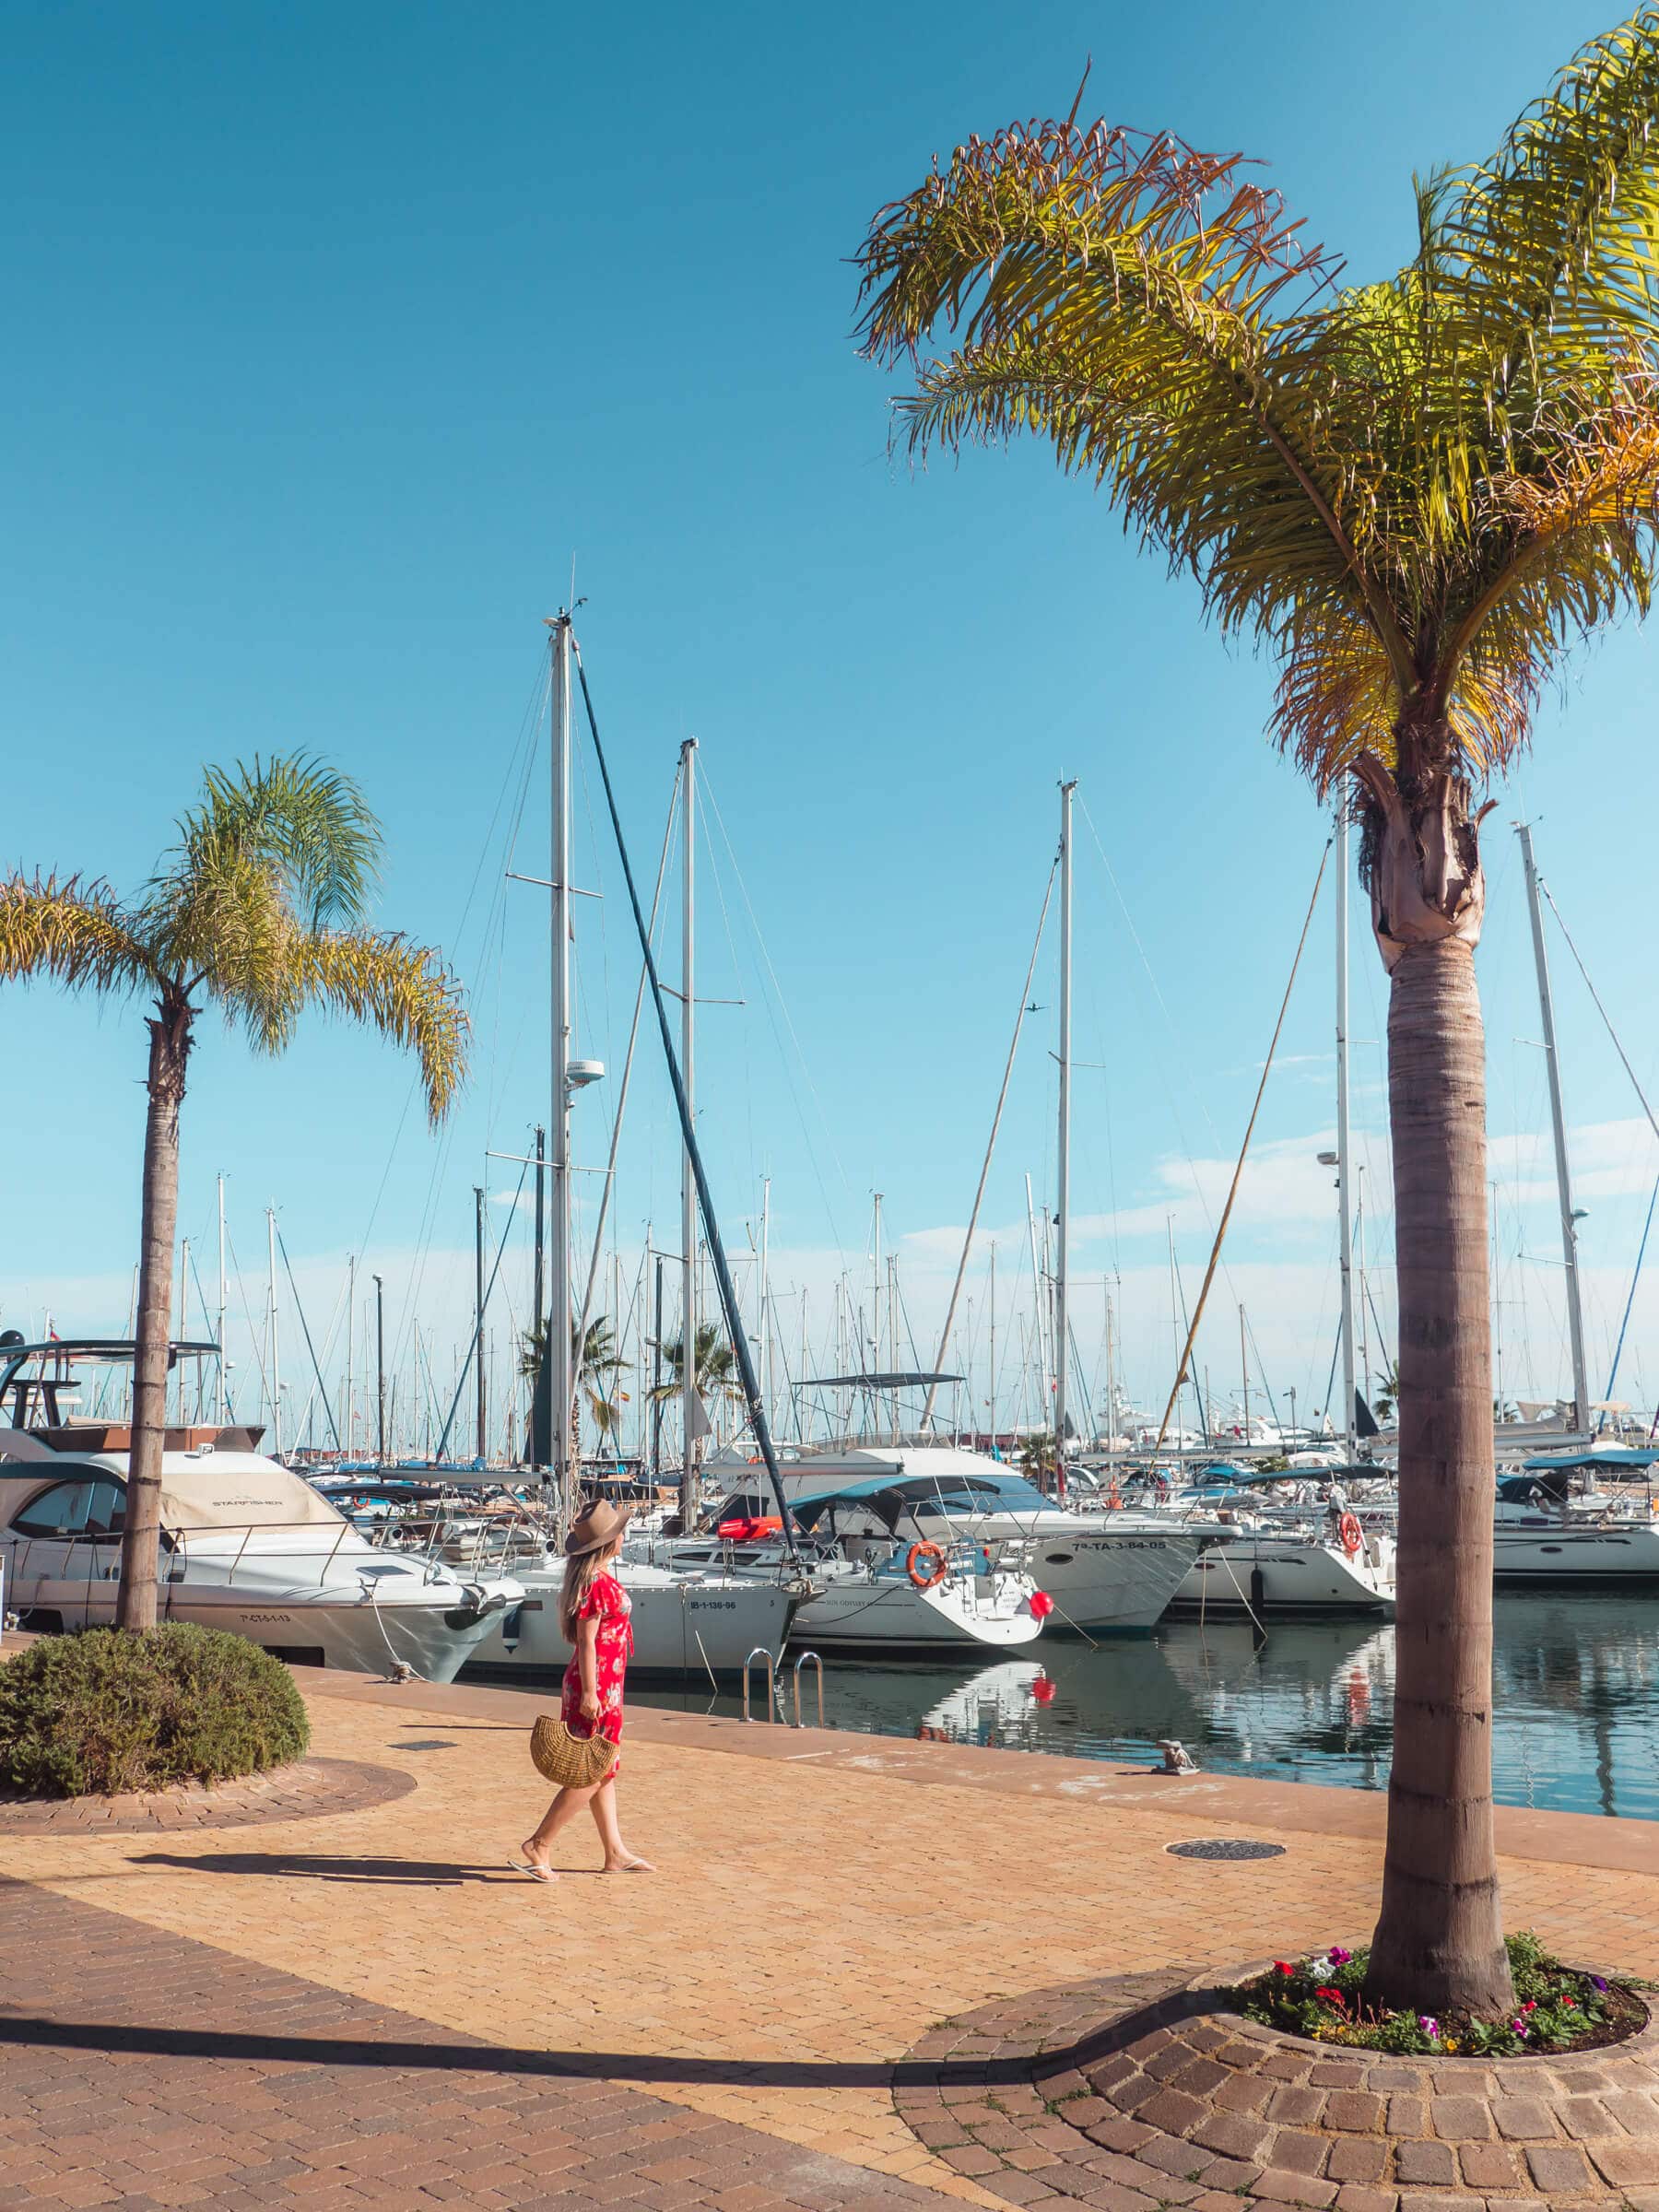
1226, 1847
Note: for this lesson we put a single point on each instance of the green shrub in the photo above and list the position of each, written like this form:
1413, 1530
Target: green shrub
108, 1711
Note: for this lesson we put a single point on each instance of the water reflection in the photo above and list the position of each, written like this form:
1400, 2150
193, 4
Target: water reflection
1577, 1685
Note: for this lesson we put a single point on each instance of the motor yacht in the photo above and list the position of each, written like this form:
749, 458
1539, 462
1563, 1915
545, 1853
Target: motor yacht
245, 1545
1110, 1571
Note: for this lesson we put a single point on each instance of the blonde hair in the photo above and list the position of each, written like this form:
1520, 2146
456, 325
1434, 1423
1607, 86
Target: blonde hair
580, 1575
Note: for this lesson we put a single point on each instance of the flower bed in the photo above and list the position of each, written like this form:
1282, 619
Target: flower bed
1557, 2008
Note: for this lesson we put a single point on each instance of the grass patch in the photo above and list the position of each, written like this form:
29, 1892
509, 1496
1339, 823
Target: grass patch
108, 1711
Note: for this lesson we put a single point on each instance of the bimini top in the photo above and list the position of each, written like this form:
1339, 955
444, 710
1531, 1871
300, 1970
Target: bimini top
889, 1500
1615, 1456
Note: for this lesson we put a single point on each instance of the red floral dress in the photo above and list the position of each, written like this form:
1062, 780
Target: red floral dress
609, 1604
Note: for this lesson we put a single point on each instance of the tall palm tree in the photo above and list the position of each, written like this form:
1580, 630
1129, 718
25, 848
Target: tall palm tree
591, 1361
255, 910
1418, 494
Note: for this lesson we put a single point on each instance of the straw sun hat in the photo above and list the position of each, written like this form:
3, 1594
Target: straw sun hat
595, 1526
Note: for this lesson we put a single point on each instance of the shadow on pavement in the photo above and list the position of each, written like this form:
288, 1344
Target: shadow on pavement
488, 2058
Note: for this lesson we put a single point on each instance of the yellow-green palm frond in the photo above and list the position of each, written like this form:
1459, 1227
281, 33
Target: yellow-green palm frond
1337, 698
400, 989
75, 933
224, 925
1125, 296
1550, 251
309, 825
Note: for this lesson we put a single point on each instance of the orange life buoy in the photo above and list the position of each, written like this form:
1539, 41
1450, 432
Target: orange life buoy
1352, 1535
1114, 1497
912, 1565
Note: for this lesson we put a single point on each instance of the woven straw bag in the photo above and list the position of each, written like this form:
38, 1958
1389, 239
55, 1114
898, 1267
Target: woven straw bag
573, 1762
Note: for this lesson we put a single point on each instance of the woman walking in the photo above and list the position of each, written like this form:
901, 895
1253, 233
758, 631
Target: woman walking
593, 1615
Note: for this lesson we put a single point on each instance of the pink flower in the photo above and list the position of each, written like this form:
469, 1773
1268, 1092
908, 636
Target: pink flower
1429, 2026
1338, 1957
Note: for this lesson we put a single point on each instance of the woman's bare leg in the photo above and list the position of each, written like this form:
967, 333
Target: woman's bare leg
618, 1859
560, 1814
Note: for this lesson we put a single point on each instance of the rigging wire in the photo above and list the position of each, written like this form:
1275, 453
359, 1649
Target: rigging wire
1002, 1096
1209, 1273
722, 1274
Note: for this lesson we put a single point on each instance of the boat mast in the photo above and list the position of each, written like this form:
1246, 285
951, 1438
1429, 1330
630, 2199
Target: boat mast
1062, 1178
538, 1310
991, 1401
350, 1330
1244, 1365
380, 1368
766, 1345
1041, 1347
481, 1441
220, 1394
560, 1351
1343, 1207
275, 1368
1575, 1315
183, 1332
690, 1407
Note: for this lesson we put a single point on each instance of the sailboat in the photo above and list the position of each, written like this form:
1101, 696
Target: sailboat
691, 1625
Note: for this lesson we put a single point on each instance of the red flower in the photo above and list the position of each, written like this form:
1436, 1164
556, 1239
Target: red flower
1332, 1997
1281, 1967
1531, 2005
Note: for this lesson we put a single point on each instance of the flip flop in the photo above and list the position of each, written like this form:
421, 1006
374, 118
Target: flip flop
536, 1873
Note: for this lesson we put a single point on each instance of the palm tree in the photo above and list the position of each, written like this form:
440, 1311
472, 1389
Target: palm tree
1038, 1458
594, 1357
1418, 494
1388, 1396
253, 910
714, 1375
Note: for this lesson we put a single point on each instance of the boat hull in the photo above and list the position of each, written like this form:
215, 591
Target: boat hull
681, 1628
1261, 1573
1606, 1557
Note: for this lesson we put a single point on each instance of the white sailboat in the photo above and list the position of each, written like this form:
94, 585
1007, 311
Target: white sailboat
681, 1625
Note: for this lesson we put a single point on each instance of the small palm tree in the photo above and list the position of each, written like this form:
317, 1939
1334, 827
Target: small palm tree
1418, 494
1388, 1396
1038, 1458
595, 1356
714, 1375
253, 910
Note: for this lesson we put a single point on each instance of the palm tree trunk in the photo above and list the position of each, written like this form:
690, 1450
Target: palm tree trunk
1439, 1941
140, 1543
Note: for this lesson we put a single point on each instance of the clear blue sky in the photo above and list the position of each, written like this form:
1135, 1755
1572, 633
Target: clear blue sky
335, 334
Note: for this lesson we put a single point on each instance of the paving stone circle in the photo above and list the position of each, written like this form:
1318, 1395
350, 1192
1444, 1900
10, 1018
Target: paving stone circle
1133, 2091
1226, 1847
294, 1792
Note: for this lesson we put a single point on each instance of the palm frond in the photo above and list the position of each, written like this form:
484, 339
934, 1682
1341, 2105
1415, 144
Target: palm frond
1549, 251
75, 933
1124, 295
309, 824
403, 990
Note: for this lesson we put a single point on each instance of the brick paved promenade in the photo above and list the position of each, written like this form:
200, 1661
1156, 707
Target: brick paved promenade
363, 2007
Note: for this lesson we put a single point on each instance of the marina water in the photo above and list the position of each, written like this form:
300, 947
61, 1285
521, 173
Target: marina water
1577, 1700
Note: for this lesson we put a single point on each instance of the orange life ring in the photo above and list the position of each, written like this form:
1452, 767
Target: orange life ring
1114, 1497
912, 1565
1352, 1535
